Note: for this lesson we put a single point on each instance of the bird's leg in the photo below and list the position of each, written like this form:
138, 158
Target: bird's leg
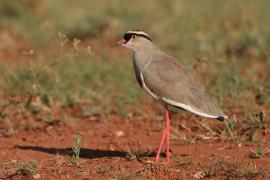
168, 133
165, 133
161, 144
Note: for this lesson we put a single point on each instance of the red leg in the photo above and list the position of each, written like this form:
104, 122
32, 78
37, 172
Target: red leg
161, 144
165, 133
168, 134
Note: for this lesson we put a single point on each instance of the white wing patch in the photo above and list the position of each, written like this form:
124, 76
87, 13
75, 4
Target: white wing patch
177, 104
188, 108
147, 89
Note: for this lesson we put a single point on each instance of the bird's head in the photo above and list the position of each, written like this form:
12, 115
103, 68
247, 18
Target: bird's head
135, 40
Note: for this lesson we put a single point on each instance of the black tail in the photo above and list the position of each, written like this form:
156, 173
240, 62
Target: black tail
220, 118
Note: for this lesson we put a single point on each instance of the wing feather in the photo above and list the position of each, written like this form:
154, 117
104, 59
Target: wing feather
179, 87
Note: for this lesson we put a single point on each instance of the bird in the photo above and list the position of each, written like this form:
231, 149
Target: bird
168, 82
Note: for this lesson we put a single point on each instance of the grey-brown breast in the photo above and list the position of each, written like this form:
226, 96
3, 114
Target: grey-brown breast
137, 70
175, 85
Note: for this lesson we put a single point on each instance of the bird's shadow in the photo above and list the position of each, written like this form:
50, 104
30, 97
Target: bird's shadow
84, 153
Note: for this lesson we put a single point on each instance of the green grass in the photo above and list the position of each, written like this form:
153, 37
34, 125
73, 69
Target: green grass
75, 159
257, 154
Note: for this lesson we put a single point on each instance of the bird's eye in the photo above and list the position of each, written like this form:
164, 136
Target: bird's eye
133, 37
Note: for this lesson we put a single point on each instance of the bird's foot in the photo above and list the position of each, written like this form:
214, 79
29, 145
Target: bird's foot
163, 154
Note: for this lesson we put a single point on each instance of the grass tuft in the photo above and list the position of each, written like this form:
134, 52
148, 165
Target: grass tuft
26, 169
75, 159
235, 169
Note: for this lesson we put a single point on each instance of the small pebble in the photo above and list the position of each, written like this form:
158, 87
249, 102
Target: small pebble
36, 176
119, 133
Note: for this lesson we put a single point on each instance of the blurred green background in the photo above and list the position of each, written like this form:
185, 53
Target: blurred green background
62, 50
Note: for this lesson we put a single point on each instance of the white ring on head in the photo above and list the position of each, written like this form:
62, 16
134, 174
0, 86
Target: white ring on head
138, 32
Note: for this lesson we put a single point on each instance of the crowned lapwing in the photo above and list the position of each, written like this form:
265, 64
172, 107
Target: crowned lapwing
168, 82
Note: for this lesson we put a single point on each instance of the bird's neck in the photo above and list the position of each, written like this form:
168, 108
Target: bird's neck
142, 57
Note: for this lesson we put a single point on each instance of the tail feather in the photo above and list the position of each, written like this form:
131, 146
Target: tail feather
221, 118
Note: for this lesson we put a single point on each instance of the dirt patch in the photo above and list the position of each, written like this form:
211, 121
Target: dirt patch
124, 148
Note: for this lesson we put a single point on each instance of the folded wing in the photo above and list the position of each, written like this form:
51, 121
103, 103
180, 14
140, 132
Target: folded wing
179, 87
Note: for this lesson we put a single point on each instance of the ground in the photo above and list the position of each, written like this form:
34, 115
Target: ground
70, 106
125, 149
